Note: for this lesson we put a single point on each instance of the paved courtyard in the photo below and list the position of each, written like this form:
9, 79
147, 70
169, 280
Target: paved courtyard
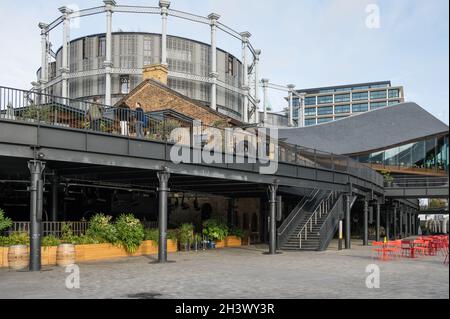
239, 273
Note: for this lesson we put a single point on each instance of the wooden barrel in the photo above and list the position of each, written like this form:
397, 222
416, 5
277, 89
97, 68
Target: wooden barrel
18, 257
65, 255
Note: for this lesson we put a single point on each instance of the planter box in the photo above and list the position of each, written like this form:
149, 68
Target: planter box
48, 256
98, 252
220, 244
233, 241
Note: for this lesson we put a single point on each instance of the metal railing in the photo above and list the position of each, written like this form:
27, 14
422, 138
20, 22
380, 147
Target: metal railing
321, 210
288, 225
328, 228
44, 109
418, 182
51, 228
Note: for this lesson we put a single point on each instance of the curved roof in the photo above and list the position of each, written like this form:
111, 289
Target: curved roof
370, 131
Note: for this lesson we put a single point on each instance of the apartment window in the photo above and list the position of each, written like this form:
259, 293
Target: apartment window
324, 120
124, 84
310, 100
310, 111
327, 99
342, 109
309, 122
101, 51
376, 95
377, 105
394, 94
342, 98
147, 51
325, 110
362, 107
362, 96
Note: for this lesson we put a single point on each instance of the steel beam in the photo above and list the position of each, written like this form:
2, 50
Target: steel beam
163, 191
36, 193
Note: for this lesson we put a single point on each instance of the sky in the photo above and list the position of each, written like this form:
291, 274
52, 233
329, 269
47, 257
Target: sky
309, 43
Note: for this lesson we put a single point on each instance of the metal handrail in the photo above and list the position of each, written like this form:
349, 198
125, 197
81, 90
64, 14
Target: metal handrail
318, 211
426, 181
297, 210
327, 230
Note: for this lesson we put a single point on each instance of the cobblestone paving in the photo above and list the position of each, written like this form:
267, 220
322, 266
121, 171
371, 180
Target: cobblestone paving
239, 273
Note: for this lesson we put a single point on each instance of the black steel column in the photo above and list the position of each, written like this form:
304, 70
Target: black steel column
163, 190
348, 242
401, 221
395, 222
366, 223
36, 192
377, 228
388, 224
407, 230
272, 219
54, 208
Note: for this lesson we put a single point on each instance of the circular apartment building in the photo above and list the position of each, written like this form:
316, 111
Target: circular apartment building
105, 67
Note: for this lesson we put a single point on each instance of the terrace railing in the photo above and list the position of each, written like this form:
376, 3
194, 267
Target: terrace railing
44, 109
51, 228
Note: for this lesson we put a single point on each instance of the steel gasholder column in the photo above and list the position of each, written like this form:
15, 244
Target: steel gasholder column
108, 64
257, 81
36, 193
272, 205
245, 87
265, 83
164, 5
348, 242
163, 190
65, 52
366, 223
213, 17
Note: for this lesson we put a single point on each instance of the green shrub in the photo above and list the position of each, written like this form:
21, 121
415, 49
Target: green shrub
186, 233
49, 241
16, 238
153, 235
85, 240
239, 233
101, 229
130, 232
215, 230
5, 222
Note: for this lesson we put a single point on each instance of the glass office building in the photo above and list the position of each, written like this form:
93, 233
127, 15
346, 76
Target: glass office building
328, 104
428, 156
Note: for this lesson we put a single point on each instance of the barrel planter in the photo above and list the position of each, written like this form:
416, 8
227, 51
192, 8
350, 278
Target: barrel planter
233, 241
220, 243
48, 255
3, 257
18, 258
65, 255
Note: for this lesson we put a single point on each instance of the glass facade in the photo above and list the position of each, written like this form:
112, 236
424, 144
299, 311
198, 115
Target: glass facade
324, 120
342, 98
378, 95
360, 96
327, 99
342, 109
309, 122
310, 111
310, 100
377, 105
325, 110
428, 155
358, 108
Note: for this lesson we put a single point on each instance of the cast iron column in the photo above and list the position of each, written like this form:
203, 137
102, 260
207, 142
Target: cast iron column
388, 224
163, 190
401, 221
265, 83
36, 192
377, 230
348, 243
366, 223
54, 210
395, 222
273, 225
164, 5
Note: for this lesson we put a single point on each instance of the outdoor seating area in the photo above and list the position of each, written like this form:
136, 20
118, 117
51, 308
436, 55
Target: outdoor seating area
415, 247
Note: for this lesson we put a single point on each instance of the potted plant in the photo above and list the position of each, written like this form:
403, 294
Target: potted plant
234, 239
388, 179
215, 231
186, 235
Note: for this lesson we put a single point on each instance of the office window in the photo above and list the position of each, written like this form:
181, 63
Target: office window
362, 96
377, 105
394, 94
325, 110
342, 109
363, 107
324, 120
309, 122
310, 100
376, 95
342, 98
394, 102
296, 102
309, 111
327, 99
360, 88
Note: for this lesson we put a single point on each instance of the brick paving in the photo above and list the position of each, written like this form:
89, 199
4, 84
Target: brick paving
239, 273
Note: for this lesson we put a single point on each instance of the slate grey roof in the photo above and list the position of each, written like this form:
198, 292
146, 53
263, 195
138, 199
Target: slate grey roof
370, 131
